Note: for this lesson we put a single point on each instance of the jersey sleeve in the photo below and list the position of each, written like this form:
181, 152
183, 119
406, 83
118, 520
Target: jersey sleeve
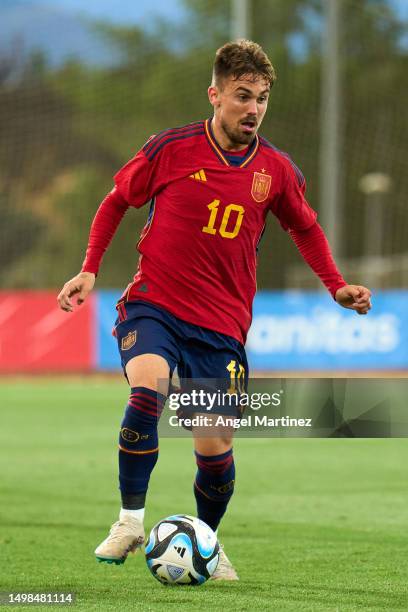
315, 250
103, 228
291, 208
145, 175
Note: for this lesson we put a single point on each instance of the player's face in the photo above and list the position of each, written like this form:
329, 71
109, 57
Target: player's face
239, 107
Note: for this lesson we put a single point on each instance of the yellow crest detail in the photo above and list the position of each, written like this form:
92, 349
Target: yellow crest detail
129, 435
224, 488
261, 185
129, 341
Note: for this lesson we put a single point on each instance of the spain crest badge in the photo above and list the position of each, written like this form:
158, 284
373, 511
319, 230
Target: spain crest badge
261, 185
129, 340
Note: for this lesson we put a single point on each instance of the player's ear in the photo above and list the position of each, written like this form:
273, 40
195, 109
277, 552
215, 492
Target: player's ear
213, 95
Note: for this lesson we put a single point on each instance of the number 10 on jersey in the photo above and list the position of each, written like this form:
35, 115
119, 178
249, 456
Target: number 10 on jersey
221, 227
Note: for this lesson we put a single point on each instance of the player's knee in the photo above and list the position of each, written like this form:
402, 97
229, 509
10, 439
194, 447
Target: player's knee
226, 441
148, 371
213, 446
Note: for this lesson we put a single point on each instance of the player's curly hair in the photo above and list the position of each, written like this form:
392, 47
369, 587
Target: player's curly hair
242, 57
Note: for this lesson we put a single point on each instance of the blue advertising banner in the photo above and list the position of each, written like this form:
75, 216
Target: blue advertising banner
107, 354
308, 331
295, 330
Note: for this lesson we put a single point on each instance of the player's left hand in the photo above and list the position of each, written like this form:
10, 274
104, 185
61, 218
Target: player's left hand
354, 297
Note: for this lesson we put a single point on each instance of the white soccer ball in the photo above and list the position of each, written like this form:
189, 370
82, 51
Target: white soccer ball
182, 550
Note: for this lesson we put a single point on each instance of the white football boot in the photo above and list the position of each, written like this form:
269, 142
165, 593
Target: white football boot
125, 536
224, 570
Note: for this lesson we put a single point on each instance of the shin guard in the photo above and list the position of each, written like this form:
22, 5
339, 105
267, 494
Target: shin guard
214, 486
138, 444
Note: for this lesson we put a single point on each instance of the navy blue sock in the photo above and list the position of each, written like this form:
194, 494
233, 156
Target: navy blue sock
138, 445
214, 486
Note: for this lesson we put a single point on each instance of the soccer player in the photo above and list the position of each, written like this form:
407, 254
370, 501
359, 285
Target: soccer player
211, 186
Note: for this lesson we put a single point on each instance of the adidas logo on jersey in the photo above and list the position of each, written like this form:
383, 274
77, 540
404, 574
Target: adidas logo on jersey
181, 550
199, 176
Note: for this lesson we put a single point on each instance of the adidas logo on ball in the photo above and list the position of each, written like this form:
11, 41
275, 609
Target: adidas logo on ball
182, 550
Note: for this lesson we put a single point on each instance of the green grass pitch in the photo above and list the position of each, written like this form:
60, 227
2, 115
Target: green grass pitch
314, 524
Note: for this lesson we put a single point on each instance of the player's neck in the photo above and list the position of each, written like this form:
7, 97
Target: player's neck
222, 139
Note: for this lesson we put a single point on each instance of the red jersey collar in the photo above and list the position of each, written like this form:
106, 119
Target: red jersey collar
252, 149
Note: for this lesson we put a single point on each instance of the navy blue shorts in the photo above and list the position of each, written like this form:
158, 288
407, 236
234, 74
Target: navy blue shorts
204, 358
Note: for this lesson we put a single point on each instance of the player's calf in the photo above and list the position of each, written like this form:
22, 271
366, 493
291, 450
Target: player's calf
138, 445
214, 486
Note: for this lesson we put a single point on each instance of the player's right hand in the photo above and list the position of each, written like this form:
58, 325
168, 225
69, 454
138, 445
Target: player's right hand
80, 285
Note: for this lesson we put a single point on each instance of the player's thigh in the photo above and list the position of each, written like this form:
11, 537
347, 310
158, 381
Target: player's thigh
222, 371
226, 366
149, 352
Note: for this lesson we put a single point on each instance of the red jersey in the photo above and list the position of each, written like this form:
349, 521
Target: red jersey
198, 248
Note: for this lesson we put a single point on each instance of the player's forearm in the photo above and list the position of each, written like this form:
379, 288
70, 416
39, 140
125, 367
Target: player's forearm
105, 223
315, 250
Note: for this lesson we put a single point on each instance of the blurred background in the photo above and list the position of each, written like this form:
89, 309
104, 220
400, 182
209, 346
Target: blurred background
82, 87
